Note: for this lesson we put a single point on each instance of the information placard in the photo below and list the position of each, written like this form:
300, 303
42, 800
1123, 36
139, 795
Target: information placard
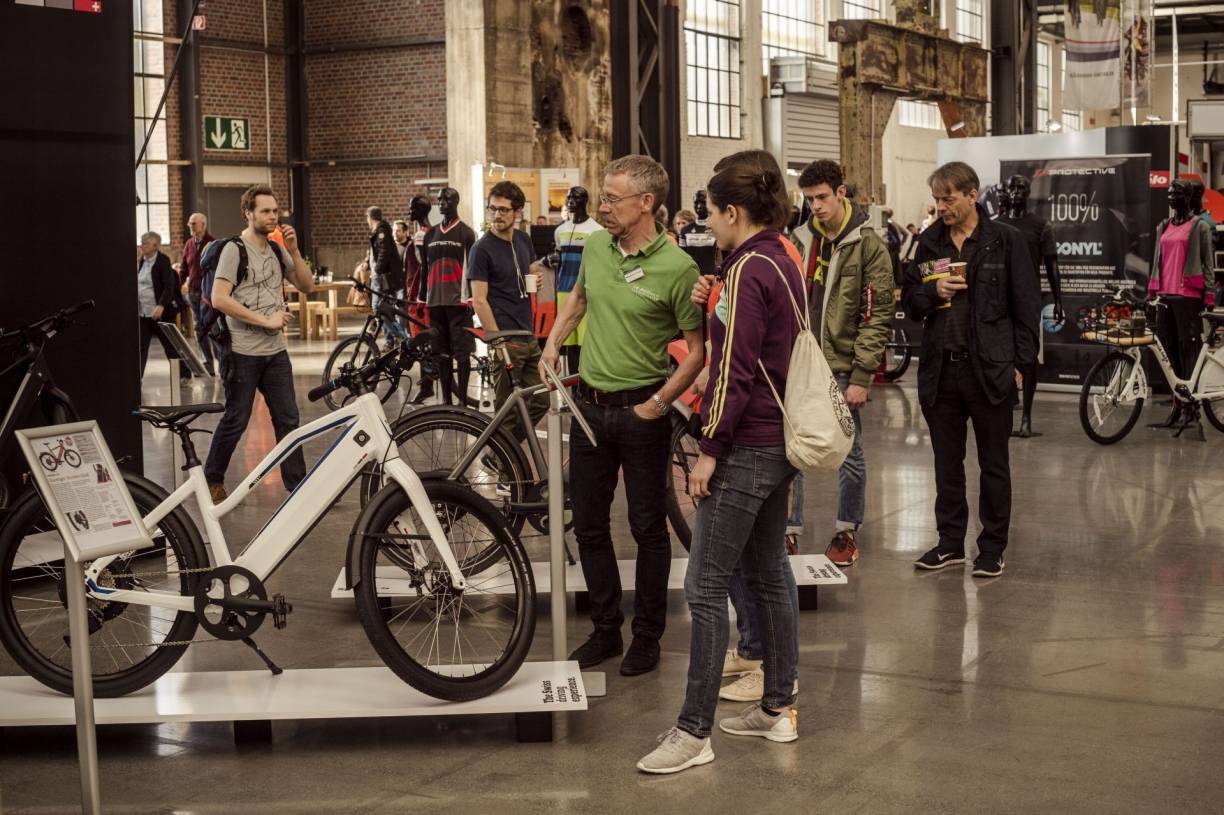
182, 349
84, 490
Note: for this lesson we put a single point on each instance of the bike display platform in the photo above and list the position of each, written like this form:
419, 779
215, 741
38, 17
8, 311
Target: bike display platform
252, 700
811, 572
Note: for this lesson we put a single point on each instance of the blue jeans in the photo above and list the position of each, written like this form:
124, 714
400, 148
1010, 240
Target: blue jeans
741, 523
202, 340
851, 481
748, 614
390, 320
244, 375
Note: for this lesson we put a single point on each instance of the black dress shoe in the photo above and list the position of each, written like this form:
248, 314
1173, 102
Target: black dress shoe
599, 646
643, 657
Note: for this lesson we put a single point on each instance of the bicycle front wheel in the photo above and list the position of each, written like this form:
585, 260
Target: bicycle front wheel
450, 643
1108, 406
1209, 410
358, 351
130, 645
897, 355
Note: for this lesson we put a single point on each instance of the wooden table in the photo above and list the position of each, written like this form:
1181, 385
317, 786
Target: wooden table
332, 290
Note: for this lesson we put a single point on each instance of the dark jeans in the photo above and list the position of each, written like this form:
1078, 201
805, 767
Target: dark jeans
202, 340
525, 373
244, 375
452, 341
148, 330
960, 400
741, 523
641, 449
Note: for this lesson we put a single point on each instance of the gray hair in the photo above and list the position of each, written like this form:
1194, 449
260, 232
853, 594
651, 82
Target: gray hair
199, 215
151, 236
645, 176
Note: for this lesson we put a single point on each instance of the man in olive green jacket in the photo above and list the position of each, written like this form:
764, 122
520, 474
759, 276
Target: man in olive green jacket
849, 270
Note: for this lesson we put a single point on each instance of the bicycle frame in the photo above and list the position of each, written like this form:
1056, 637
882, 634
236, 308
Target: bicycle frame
1208, 360
517, 401
363, 436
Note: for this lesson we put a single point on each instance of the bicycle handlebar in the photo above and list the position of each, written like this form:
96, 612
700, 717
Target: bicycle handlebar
41, 325
389, 298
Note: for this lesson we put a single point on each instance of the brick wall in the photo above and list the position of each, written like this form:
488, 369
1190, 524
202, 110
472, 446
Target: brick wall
383, 102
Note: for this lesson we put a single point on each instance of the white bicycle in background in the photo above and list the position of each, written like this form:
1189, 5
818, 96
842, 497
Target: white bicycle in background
457, 624
1116, 387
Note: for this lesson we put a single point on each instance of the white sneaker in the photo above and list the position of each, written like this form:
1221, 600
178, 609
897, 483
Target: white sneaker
754, 721
736, 665
748, 688
677, 751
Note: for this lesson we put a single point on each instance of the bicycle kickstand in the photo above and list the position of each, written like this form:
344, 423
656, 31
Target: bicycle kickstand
272, 666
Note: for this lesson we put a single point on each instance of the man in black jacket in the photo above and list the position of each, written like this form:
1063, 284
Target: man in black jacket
386, 268
157, 287
972, 283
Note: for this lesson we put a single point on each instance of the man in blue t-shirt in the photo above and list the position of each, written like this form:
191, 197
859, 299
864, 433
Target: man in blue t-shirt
502, 274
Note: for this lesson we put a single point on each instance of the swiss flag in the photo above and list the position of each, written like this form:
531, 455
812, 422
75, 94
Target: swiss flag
92, 6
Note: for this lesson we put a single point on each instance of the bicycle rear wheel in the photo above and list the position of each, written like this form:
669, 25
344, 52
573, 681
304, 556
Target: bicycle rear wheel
1209, 410
451, 644
681, 508
1108, 409
130, 645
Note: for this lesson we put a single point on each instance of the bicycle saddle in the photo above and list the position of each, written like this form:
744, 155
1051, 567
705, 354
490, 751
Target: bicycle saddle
1215, 317
493, 336
175, 414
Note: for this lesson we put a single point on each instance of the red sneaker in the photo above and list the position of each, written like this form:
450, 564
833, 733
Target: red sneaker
842, 551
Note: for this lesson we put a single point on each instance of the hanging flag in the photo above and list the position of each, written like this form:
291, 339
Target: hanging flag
1094, 33
90, 6
1137, 52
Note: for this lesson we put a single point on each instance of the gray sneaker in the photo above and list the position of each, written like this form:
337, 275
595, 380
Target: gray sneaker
756, 722
677, 751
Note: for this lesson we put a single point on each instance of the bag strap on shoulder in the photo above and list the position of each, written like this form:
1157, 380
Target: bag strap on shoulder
800, 315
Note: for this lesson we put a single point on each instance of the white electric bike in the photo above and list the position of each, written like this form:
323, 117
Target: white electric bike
457, 628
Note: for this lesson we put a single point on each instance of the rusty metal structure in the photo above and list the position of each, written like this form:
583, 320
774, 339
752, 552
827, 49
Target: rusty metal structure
881, 63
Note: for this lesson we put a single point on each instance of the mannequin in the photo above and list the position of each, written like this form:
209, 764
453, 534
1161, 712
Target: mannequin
415, 288
698, 240
571, 238
1182, 275
446, 248
1039, 237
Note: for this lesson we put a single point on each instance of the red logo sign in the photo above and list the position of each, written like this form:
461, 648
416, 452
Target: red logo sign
1158, 179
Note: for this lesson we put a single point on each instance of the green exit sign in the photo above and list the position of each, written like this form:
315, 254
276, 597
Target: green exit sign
227, 133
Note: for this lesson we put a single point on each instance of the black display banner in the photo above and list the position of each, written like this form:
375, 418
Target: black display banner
1099, 209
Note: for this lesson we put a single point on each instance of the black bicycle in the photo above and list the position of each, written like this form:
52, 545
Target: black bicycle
37, 401
401, 359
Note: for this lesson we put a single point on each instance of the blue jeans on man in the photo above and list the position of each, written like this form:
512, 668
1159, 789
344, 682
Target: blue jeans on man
243, 375
740, 525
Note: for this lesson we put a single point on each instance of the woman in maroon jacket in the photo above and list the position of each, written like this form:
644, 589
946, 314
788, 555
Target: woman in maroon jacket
742, 477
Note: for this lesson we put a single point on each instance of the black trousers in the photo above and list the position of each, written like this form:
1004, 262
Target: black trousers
148, 330
1181, 332
962, 400
640, 449
452, 341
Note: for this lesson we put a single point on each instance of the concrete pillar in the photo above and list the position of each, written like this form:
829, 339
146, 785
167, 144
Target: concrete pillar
466, 109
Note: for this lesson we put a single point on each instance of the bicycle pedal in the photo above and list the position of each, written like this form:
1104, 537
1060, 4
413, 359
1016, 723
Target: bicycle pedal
280, 611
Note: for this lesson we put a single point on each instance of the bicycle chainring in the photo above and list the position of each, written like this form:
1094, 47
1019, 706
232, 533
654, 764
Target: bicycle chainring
216, 616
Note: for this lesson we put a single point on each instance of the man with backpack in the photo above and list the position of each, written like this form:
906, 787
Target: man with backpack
246, 317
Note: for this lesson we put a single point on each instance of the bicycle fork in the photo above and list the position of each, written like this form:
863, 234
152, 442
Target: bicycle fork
410, 482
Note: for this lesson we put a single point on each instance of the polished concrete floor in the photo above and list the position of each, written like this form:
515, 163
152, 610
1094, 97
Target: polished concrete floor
1087, 679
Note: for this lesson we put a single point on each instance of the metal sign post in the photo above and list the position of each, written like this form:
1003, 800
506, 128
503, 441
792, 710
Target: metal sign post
182, 353
84, 493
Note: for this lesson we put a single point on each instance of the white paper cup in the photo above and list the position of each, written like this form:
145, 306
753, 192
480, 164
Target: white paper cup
530, 281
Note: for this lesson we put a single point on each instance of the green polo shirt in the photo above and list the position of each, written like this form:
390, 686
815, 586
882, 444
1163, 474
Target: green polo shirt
630, 322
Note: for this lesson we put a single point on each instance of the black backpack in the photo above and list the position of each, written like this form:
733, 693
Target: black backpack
213, 321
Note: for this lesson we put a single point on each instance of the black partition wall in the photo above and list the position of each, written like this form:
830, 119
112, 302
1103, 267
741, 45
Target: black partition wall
68, 197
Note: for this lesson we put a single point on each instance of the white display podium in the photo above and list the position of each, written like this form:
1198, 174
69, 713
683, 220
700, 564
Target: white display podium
252, 700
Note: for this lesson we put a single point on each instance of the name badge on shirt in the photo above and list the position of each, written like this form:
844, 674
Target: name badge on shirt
634, 274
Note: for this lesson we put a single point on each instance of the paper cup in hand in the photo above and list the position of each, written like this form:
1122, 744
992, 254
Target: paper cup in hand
530, 281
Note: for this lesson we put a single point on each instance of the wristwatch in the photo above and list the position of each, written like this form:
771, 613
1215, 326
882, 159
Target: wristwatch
660, 405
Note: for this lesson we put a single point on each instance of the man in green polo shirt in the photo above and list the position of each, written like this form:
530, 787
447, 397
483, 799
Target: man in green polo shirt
633, 288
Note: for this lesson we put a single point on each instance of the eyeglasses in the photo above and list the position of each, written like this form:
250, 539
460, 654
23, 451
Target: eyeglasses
500, 210
613, 201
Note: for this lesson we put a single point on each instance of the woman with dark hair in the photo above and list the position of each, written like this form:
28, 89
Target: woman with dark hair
742, 477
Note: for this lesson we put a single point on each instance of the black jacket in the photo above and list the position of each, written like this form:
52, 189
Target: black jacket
385, 264
1004, 305
165, 287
